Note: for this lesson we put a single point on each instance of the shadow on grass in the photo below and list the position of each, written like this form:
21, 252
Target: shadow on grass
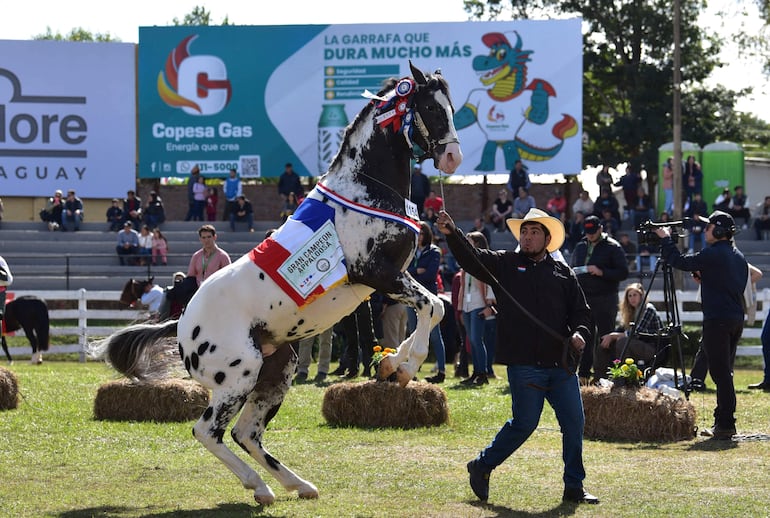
220, 511
563, 509
713, 445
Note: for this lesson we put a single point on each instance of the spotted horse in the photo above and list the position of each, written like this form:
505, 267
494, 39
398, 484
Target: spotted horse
356, 233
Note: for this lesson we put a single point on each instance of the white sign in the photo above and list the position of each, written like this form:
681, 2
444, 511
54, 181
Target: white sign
67, 118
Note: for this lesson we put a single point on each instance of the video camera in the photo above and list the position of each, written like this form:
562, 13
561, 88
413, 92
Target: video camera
645, 232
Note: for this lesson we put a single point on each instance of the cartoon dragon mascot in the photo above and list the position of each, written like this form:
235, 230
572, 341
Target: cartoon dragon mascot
510, 119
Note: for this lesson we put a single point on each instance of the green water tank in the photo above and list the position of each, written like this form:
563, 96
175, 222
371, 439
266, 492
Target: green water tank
723, 167
664, 152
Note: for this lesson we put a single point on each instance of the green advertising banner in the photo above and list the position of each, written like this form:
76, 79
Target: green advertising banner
253, 98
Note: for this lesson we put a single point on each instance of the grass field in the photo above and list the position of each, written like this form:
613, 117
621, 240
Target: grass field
58, 461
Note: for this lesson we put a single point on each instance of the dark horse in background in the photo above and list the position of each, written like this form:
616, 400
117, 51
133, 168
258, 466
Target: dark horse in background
30, 314
356, 233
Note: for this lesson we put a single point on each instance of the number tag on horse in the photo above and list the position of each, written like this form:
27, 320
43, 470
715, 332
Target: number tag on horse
411, 210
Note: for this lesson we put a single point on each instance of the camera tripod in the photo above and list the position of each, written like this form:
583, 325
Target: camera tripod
670, 339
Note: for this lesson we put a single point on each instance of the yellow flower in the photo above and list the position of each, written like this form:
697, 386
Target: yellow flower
624, 368
629, 361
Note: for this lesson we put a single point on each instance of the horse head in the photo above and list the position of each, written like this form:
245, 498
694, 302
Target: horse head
433, 120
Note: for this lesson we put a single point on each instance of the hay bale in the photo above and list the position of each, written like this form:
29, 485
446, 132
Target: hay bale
161, 401
636, 415
9, 390
373, 404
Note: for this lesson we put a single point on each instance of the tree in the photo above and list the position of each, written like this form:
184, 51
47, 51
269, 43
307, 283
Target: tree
627, 82
76, 34
198, 16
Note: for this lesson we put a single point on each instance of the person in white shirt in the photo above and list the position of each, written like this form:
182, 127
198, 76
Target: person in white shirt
152, 298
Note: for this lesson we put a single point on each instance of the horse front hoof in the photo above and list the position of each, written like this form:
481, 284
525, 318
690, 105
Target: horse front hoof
266, 497
386, 368
308, 491
403, 377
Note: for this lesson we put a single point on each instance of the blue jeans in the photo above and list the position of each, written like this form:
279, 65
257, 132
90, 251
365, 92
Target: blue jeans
701, 237
765, 337
435, 340
530, 387
474, 327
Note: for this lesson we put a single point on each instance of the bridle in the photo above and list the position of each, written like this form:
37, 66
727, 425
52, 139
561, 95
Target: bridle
397, 109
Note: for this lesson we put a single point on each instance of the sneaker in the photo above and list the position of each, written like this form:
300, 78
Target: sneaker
321, 376
480, 380
479, 479
762, 385
578, 495
719, 433
301, 377
438, 378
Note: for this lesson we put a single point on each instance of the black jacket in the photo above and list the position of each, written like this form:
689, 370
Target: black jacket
547, 289
608, 255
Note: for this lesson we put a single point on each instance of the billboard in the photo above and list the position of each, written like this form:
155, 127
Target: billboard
67, 118
255, 97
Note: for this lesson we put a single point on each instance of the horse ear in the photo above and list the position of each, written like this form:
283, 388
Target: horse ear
419, 77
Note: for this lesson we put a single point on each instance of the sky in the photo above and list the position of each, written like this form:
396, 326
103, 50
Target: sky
23, 19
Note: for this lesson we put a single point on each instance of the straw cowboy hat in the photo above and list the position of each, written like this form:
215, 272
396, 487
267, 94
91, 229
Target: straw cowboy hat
554, 226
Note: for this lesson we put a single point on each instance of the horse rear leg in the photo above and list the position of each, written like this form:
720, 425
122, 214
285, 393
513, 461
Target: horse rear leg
210, 429
261, 406
6, 351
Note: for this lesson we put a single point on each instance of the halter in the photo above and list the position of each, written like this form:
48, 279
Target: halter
396, 109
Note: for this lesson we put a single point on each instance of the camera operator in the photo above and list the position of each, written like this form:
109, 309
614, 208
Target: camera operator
723, 273
600, 265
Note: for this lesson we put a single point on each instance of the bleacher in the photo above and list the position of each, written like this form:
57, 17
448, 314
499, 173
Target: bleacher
44, 260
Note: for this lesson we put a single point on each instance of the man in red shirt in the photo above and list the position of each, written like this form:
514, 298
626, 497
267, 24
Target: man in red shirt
434, 202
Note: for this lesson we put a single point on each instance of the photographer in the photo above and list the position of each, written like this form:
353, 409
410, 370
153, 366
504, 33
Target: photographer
723, 273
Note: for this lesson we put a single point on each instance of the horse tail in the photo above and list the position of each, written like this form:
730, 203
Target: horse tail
140, 351
43, 330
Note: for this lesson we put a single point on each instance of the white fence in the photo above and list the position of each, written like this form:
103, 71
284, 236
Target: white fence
83, 330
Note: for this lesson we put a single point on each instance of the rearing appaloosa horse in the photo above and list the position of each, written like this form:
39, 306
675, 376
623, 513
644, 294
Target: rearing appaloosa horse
355, 233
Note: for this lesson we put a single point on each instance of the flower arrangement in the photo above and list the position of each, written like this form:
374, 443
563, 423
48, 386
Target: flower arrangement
379, 355
626, 373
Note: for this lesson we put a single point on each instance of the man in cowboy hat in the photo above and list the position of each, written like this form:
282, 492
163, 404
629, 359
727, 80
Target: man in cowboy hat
543, 317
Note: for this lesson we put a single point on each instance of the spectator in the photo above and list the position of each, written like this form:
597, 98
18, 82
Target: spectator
177, 295
52, 212
642, 209
478, 226
232, 189
154, 212
583, 204
6, 279
159, 248
289, 182
191, 182
501, 210
629, 249
619, 344
739, 208
358, 330
152, 297
629, 182
668, 186
723, 201
606, 201
610, 224
212, 198
305, 356
523, 203
243, 211
600, 265
762, 221
72, 213
692, 178
145, 245
115, 216
557, 205
574, 231
132, 209
199, 198
604, 179
696, 209
420, 188
210, 258
393, 318
288, 208
519, 177
128, 244
434, 202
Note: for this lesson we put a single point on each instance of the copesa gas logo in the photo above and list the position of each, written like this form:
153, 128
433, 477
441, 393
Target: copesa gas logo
196, 84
